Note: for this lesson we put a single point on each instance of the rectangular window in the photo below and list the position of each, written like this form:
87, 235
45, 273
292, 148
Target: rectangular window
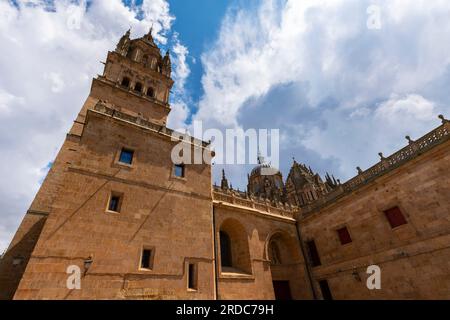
313, 253
114, 203
192, 276
126, 156
344, 235
325, 289
179, 170
395, 217
146, 259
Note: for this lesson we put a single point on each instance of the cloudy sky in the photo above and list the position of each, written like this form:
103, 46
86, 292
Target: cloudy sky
342, 80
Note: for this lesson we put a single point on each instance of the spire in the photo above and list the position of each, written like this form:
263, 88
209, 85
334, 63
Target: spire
124, 43
260, 158
224, 182
149, 36
166, 59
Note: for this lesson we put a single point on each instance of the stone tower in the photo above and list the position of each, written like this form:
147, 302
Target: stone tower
114, 206
303, 186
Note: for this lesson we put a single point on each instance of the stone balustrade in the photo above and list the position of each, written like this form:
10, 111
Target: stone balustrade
386, 164
242, 199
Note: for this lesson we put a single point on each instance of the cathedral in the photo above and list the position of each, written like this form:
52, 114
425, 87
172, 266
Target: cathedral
137, 226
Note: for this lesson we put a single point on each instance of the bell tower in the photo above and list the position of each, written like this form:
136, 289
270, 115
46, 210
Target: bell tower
136, 80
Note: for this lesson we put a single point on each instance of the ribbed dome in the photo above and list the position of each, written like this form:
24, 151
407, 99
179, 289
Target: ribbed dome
257, 170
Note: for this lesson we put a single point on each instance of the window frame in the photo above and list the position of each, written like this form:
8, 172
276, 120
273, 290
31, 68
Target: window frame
150, 260
192, 279
183, 170
152, 90
350, 239
141, 87
391, 219
112, 195
128, 80
119, 157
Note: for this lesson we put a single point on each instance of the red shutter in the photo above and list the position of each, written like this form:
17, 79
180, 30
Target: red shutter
395, 217
344, 235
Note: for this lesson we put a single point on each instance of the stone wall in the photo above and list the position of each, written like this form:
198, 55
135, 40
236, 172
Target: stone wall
256, 229
170, 215
414, 257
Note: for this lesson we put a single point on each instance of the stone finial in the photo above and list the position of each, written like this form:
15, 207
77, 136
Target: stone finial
381, 156
444, 121
224, 181
359, 170
410, 141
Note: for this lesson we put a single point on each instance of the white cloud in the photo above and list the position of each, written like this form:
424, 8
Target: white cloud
339, 92
50, 53
180, 97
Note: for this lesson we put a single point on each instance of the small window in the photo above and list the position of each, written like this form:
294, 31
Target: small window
395, 217
325, 289
192, 276
179, 170
150, 92
114, 203
344, 235
313, 253
138, 87
125, 82
126, 156
146, 259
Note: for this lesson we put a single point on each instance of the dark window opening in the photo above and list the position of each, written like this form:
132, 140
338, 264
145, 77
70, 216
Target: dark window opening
225, 250
395, 217
313, 253
325, 289
138, 87
126, 156
114, 203
192, 276
150, 92
146, 259
179, 170
125, 82
282, 290
344, 235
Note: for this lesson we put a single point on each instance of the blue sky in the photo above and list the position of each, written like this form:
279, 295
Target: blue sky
338, 89
198, 22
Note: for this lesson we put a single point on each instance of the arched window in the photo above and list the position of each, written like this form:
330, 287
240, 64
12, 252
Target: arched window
150, 92
138, 87
225, 250
125, 82
274, 253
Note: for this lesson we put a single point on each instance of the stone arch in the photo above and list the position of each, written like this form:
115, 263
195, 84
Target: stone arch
125, 82
237, 238
138, 87
285, 244
283, 253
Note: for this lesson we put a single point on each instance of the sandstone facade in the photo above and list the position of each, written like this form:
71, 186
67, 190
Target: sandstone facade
139, 227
